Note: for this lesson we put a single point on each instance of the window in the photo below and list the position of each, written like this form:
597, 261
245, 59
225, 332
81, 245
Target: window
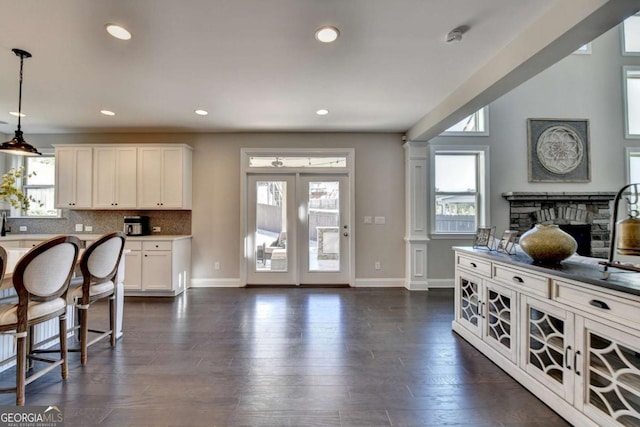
459, 188
585, 49
631, 35
39, 185
633, 165
475, 124
632, 101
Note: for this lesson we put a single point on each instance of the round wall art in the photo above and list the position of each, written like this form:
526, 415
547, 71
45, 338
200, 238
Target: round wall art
558, 150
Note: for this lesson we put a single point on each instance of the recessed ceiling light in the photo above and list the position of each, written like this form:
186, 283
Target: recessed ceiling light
322, 112
107, 112
118, 32
327, 34
201, 112
15, 113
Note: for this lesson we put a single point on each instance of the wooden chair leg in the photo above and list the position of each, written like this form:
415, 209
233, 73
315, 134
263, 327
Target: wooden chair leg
21, 372
84, 336
30, 345
112, 319
63, 345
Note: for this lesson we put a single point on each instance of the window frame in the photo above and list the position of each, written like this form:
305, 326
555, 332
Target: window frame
625, 72
623, 41
485, 120
628, 153
482, 186
22, 161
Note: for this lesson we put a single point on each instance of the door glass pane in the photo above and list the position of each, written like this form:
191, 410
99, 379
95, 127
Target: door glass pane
324, 226
271, 226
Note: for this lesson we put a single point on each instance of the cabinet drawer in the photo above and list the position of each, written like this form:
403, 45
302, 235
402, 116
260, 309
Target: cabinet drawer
133, 245
157, 246
526, 283
476, 265
609, 306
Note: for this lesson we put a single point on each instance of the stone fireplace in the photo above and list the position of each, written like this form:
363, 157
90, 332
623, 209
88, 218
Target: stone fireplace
586, 216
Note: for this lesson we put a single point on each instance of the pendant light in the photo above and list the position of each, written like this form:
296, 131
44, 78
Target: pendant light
18, 145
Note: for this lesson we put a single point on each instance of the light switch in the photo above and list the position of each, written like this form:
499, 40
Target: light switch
379, 220
367, 220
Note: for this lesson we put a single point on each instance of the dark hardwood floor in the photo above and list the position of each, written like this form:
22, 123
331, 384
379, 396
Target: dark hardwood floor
288, 357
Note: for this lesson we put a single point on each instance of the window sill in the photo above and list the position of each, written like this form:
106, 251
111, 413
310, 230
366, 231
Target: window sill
451, 236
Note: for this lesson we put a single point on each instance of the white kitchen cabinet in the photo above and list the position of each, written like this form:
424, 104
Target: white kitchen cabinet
73, 177
115, 177
164, 177
133, 265
157, 267
578, 341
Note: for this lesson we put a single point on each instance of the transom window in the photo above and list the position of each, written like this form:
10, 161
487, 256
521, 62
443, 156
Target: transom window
631, 35
632, 101
475, 124
297, 162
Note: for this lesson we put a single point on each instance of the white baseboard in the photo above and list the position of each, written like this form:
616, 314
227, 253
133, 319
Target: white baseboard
416, 285
379, 283
215, 283
441, 283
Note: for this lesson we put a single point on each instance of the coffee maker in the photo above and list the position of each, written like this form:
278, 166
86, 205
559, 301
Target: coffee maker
136, 225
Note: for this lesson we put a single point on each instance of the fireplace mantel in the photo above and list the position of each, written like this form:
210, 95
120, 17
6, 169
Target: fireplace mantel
559, 196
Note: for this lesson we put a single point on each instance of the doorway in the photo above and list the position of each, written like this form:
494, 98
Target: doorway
298, 224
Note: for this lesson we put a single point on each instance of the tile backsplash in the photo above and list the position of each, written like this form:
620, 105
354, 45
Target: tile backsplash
170, 222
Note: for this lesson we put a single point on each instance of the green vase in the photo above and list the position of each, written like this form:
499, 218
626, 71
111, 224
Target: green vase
548, 244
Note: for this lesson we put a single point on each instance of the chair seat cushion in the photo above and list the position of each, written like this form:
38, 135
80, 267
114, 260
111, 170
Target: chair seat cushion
97, 289
8, 312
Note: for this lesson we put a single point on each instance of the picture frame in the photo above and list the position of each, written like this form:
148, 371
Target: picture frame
484, 237
558, 150
507, 243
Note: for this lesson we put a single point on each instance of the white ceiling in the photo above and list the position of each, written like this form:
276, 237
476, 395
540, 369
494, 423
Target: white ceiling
253, 64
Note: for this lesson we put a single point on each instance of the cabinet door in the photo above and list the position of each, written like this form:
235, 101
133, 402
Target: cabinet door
150, 178
468, 291
609, 387
104, 178
83, 167
172, 177
126, 177
65, 177
133, 270
156, 270
547, 334
499, 312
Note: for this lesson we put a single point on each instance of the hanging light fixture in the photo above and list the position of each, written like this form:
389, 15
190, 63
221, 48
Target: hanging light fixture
18, 145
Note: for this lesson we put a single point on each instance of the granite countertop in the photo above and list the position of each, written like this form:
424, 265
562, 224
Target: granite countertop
576, 268
86, 236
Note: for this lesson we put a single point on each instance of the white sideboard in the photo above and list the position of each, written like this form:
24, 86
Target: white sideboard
567, 335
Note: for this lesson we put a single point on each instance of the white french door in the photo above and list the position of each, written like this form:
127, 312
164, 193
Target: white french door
324, 229
298, 229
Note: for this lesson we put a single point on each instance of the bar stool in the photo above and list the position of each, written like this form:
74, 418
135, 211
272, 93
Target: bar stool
99, 266
41, 279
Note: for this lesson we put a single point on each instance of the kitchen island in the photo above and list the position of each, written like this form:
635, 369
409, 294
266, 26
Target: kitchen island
564, 332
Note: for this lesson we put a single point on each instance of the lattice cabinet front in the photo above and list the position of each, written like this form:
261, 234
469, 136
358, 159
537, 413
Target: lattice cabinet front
612, 377
499, 313
548, 345
468, 294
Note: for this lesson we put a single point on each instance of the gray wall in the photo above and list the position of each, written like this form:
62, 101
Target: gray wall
215, 218
579, 86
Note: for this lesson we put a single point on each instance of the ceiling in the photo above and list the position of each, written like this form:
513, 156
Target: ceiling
254, 65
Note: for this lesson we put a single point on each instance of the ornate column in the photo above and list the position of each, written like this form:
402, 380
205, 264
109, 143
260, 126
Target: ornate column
416, 223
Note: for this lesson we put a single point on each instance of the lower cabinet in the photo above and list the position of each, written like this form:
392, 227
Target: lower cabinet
583, 361
157, 267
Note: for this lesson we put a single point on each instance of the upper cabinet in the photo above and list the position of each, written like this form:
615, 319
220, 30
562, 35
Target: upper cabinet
123, 176
73, 177
114, 177
164, 178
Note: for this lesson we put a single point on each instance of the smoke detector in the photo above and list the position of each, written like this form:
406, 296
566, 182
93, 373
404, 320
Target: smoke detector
455, 35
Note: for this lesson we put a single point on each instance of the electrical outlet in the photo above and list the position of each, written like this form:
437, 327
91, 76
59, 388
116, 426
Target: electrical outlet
156, 229
367, 220
216, 266
377, 265
23, 228
379, 220
88, 228
78, 227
